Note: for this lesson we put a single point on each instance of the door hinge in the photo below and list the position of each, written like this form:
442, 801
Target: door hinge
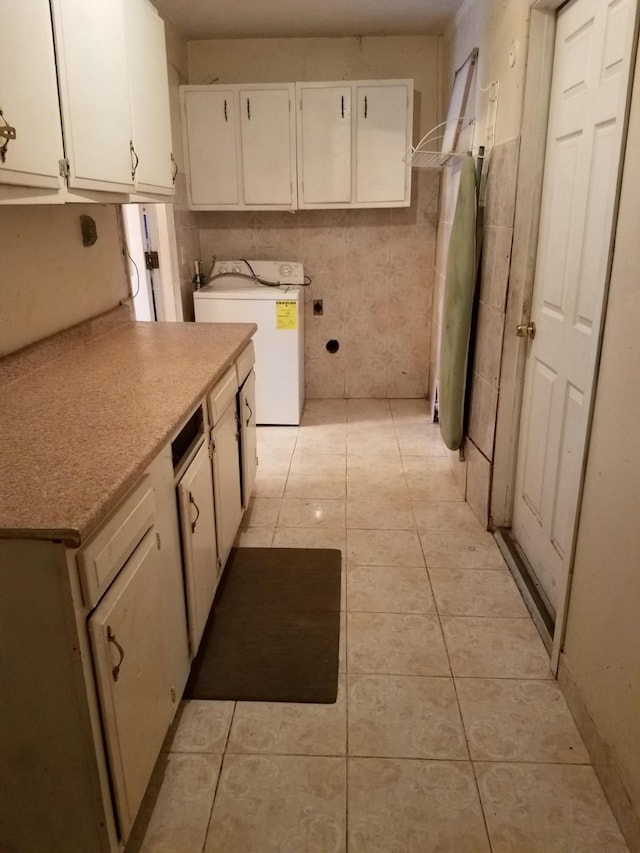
212, 448
65, 169
158, 542
151, 261
219, 564
173, 695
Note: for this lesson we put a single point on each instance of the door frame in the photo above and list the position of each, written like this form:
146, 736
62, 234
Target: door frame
537, 92
161, 224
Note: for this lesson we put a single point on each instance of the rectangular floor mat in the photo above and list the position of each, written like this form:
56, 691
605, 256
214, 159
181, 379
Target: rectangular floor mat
273, 634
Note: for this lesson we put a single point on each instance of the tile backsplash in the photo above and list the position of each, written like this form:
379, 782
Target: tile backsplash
373, 270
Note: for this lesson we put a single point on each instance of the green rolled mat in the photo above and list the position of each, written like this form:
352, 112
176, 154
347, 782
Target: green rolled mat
458, 309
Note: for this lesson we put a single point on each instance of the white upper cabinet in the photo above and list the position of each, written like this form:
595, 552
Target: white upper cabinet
324, 143
29, 99
94, 93
209, 128
149, 87
352, 143
383, 135
239, 141
268, 145
84, 85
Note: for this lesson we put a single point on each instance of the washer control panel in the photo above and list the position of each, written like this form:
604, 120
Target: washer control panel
285, 272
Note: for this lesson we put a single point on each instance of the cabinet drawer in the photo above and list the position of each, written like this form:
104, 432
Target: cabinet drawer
245, 362
101, 560
222, 394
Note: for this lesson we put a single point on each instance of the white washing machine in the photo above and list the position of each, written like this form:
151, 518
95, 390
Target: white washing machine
270, 294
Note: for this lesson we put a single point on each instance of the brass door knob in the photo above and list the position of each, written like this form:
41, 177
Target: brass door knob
526, 330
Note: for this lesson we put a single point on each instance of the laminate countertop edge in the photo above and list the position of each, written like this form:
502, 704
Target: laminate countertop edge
78, 432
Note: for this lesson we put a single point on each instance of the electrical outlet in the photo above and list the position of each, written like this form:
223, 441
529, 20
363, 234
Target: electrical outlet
317, 307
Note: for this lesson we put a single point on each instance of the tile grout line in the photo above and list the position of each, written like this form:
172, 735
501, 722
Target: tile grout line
218, 780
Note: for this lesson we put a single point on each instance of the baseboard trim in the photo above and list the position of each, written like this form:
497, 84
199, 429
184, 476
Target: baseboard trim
540, 613
601, 759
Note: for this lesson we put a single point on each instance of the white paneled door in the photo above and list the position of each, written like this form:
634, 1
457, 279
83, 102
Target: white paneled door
594, 44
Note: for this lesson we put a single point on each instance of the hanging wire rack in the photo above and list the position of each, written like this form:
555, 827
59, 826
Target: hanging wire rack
425, 156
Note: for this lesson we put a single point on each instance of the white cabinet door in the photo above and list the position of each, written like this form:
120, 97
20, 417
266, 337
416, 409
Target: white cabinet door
29, 96
324, 144
210, 145
149, 86
248, 446
94, 93
382, 139
128, 643
268, 145
197, 524
226, 480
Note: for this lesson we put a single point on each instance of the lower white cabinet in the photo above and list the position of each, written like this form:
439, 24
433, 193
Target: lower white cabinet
202, 567
100, 636
248, 444
137, 697
226, 479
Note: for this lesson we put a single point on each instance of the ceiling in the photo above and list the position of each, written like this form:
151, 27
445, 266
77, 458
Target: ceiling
224, 19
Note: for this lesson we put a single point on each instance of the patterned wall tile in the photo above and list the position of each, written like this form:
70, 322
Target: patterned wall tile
488, 350
482, 419
501, 184
373, 270
496, 264
478, 482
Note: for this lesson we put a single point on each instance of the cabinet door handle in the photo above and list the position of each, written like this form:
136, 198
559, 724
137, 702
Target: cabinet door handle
174, 169
134, 166
7, 133
342, 108
366, 106
246, 402
248, 109
226, 117
195, 520
111, 638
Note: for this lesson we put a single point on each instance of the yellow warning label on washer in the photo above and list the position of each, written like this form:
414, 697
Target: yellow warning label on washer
286, 314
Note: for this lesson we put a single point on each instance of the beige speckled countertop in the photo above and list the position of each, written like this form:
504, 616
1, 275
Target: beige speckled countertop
79, 426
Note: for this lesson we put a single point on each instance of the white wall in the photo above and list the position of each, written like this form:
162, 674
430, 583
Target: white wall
602, 644
499, 29
48, 279
314, 59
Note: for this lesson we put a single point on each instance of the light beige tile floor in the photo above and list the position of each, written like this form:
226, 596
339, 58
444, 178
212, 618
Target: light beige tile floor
449, 732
